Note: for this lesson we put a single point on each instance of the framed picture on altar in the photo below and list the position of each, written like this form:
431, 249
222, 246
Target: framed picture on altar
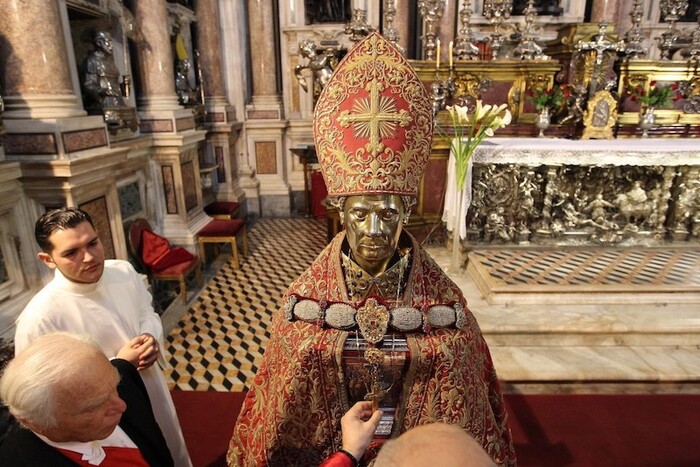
600, 116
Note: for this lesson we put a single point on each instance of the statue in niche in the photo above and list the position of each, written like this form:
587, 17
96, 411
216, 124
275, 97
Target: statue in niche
321, 66
185, 93
101, 76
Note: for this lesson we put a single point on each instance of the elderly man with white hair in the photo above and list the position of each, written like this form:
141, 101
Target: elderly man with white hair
76, 407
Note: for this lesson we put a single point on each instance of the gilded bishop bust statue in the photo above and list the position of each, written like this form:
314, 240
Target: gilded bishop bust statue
373, 317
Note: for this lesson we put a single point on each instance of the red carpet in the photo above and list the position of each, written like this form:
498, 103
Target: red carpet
557, 430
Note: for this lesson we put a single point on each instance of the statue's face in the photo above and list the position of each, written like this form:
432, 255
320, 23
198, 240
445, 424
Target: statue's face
373, 224
104, 42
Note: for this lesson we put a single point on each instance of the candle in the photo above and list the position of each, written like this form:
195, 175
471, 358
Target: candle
451, 44
437, 55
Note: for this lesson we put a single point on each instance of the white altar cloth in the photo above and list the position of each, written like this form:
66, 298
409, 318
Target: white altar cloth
557, 151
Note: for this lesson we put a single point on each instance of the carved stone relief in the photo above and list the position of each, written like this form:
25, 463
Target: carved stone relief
578, 205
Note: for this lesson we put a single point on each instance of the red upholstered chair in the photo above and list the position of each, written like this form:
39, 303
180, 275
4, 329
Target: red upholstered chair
224, 210
162, 261
223, 231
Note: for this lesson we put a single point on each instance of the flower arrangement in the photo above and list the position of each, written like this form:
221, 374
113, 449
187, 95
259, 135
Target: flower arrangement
657, 96
470, 131
548, 98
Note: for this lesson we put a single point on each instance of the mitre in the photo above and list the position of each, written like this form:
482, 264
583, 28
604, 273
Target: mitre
373, 123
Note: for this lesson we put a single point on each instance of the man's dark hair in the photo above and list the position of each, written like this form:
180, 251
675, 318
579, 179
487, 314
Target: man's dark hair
58, 219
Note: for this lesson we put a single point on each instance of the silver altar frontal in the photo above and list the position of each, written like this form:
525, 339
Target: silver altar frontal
562, 192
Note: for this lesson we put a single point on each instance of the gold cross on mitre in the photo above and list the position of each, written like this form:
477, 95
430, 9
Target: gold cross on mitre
376, 117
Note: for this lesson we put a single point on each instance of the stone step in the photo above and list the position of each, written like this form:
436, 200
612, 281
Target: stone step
635, 345
557, 326
598, 369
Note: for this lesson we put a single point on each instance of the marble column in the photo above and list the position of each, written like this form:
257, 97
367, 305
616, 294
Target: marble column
446, 33
235, 40
265, 127
262, 52
402, 22
605, 10
155, 58
178, 144
44, 118
37, 78
220, 114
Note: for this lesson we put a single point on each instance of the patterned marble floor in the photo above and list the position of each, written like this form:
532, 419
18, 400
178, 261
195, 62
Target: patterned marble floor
219, 341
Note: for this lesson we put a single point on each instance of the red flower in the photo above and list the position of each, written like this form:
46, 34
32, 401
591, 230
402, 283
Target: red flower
674, 86
652, 83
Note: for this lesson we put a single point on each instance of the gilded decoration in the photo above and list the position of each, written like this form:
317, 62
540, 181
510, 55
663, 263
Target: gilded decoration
600, 116
583, 205
373, 123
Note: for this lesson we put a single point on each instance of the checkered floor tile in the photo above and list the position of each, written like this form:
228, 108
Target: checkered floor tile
608, 267
219, 342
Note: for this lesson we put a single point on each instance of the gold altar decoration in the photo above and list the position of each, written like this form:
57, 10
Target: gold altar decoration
495, 82
641, 73
600, 117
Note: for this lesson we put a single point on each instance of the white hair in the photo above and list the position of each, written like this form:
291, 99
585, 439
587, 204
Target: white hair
29, 384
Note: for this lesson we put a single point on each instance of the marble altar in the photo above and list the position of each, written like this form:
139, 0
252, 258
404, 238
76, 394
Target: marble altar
604, 192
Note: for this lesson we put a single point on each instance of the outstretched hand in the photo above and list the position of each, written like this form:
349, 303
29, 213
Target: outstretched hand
358, 426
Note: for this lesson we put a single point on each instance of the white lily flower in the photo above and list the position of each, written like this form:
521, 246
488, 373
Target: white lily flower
470, 129
481, 111
507, 118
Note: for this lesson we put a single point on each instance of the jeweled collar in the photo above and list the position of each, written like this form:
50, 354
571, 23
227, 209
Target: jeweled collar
388, 285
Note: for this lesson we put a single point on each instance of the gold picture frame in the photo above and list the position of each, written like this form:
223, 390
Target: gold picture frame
600, 116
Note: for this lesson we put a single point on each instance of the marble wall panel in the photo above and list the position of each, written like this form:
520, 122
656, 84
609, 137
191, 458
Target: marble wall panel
263, 114
182, 124
189, 185
220, 169
30, 143
74, 141
169, 189
156, 126
216, 117
266, 157
130, 200
97, 208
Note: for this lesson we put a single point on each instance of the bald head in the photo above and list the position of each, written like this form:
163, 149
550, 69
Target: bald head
433, 444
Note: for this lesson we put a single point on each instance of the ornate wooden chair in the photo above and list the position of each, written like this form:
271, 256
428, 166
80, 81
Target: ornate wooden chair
160, 260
